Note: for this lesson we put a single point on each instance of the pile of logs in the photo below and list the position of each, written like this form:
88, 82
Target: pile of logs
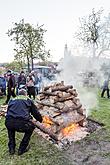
62, 107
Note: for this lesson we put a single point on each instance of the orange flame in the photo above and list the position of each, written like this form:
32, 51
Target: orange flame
47, 121
70, 129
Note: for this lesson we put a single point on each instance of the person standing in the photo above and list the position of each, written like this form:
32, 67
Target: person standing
105, 88
10, 86
38, 82
30, 86
21, 83
19, 118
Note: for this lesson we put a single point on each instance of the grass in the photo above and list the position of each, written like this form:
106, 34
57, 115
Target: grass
102, 112
41, 152
44, 153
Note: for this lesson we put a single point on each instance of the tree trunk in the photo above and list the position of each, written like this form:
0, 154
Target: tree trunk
94, 50
32, 63
28, 63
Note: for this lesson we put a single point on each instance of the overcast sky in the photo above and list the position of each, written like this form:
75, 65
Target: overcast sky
60, 19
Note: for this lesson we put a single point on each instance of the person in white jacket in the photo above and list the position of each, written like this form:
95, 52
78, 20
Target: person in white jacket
31, 86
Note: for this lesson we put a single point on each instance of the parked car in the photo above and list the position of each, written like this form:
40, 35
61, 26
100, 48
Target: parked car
2, 86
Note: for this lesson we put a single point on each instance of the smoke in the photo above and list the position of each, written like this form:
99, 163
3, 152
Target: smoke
81, 72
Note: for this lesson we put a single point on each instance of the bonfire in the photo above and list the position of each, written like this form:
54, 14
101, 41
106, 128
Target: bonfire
64, 117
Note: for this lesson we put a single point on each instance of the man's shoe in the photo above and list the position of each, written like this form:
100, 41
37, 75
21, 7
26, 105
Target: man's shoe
20, 152
11, 151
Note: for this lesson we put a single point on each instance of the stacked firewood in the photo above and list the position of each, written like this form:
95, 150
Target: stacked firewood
60, 103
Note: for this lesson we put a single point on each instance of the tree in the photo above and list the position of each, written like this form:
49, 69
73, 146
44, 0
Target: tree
14, 65
29, 42
95, 33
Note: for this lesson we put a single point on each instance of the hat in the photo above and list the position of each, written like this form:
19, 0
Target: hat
22, 71
9, 72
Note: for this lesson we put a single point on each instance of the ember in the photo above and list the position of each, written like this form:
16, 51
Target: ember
46, 121
70, 129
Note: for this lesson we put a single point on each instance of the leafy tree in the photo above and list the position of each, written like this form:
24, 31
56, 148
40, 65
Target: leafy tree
94, 33
29, 42
14, 65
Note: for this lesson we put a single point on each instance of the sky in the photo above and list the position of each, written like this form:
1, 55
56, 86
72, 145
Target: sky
60, 19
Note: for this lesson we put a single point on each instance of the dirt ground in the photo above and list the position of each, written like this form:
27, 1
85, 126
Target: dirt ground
92, 150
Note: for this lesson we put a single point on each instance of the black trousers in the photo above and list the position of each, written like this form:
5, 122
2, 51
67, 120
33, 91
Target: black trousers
31, 91
103, 91
19, 125
9, 94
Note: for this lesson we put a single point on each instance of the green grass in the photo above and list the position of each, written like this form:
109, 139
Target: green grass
102, 112
41, 152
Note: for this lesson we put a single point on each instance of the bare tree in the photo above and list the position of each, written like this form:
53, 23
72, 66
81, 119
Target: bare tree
95, 33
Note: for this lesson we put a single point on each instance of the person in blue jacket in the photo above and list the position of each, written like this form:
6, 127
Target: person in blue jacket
19, 118
105, 88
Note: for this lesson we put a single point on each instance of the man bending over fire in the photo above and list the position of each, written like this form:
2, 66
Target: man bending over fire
18, 119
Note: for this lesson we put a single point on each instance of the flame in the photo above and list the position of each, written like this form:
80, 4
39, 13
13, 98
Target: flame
70, 129
47, 121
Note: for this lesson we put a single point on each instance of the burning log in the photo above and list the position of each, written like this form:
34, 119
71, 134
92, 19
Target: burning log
45, 130
68, 119
59, 103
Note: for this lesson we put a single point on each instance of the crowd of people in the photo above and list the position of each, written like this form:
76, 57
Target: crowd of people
31, 82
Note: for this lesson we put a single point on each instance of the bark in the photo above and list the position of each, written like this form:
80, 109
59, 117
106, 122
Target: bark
28, 63
72, 108
46, 88
73, 92
62, 99
61, 88
45, 130
32, 63
49, 93
70, 119
54, 121
41, 96
47, 104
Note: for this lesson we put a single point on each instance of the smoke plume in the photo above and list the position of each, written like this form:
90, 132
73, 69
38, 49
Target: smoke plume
75, 71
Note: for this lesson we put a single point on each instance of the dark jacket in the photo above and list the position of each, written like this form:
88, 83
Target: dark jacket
22, 107
106, 84
11, 82
21, 80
